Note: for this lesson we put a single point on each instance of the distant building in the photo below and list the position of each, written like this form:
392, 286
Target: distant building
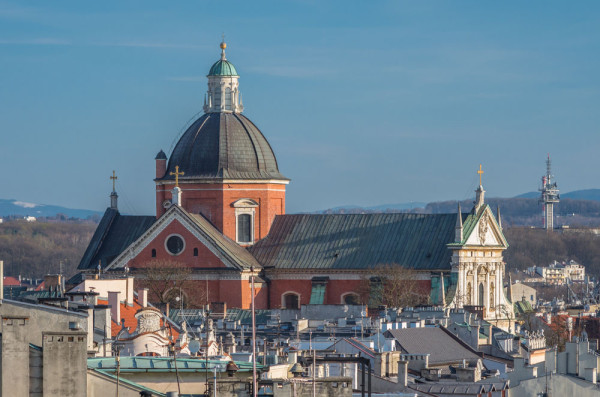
29, 218
559, 273
521, 292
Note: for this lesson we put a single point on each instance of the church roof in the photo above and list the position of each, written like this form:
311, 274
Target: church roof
357, 241
222, 68
114, 233
223, 146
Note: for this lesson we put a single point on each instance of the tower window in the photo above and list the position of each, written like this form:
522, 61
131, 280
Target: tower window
195, 251
153, 253
244, 228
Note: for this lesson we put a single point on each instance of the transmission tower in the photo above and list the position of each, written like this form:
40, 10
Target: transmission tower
549, 197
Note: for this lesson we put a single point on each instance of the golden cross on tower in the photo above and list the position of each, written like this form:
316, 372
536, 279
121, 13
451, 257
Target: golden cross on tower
480, 172
177, 174
114, 179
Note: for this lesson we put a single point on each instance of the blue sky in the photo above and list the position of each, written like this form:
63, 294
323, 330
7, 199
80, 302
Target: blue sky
364, 103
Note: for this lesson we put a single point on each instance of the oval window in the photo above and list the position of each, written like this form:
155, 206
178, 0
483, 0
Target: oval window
175, 245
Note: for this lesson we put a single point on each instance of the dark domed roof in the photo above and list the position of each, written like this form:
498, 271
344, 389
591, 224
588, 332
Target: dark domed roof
161, 156
223, 146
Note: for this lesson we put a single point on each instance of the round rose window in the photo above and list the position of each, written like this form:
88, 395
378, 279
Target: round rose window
175, 245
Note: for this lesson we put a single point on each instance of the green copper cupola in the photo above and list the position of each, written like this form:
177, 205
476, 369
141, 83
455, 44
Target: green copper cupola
223, 94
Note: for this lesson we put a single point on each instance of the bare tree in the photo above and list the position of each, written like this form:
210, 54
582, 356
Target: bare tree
394, 286
169, 282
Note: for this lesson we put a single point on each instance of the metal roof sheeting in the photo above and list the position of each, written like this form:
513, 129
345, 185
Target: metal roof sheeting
357, 241
114, 233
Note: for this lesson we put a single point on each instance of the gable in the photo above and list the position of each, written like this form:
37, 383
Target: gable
194, 254
484, 230
218, 250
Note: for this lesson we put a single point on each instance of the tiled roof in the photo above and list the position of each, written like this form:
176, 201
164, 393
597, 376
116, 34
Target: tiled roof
114, 233
357, 241
440, 345
11, 281
244, 316
223, 146
128, 314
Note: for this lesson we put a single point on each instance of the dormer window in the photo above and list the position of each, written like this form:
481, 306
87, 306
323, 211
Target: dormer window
245, 210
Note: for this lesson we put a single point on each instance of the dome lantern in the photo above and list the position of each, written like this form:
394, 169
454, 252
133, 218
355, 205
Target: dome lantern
223, 94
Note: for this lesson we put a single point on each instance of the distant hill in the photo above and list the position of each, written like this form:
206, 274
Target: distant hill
578, 208
12, 207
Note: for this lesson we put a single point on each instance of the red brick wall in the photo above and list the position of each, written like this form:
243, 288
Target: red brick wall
205, 258
215, 201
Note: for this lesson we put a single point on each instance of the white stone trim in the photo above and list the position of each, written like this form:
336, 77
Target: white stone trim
223, 181
167, 248
308, 274
174, 213
345, 294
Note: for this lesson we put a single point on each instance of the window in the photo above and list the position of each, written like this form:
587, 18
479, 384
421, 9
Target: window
245, 210
153, 253
291, 301
244, 224
350, 299
480, 302
195, 251
174, 244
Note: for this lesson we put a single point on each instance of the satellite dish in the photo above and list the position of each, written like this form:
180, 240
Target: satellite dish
194, 346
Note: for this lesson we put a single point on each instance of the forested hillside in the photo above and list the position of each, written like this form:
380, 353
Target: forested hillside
529, 247
37, 248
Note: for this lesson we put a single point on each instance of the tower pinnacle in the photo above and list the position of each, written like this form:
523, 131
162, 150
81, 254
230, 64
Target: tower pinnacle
113, 196
223, 95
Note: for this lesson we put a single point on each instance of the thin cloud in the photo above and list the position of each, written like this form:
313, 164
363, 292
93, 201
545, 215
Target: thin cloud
35, 41
154, 44
187, 78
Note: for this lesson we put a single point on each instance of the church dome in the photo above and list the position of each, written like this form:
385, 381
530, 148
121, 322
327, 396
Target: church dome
223, 146
222, 68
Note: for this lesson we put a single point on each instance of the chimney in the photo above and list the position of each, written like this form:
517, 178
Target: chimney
403, 373
90, 328
129, 291
161, 164
15, 356
114, 301
143, 297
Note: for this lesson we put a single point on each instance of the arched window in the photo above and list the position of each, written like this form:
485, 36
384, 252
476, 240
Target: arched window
469, 293
244, 228
153, 253
290, 300
195, 251
350, 299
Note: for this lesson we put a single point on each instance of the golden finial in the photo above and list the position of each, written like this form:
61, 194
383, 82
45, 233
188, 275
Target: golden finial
480, 172
177, 174
114, 179
223, 44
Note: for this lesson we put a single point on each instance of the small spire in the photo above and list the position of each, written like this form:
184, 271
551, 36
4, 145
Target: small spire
458, 230
479, 193
442, 294
499, 218
113, 196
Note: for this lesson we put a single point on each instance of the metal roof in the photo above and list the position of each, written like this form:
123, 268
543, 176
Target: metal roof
222, 68
357, 241
114, 233
441, 346
162, 364
223, 146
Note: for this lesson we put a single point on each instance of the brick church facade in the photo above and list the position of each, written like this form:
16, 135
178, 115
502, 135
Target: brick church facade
220, 214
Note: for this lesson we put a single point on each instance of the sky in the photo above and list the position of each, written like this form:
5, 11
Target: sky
364, 103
